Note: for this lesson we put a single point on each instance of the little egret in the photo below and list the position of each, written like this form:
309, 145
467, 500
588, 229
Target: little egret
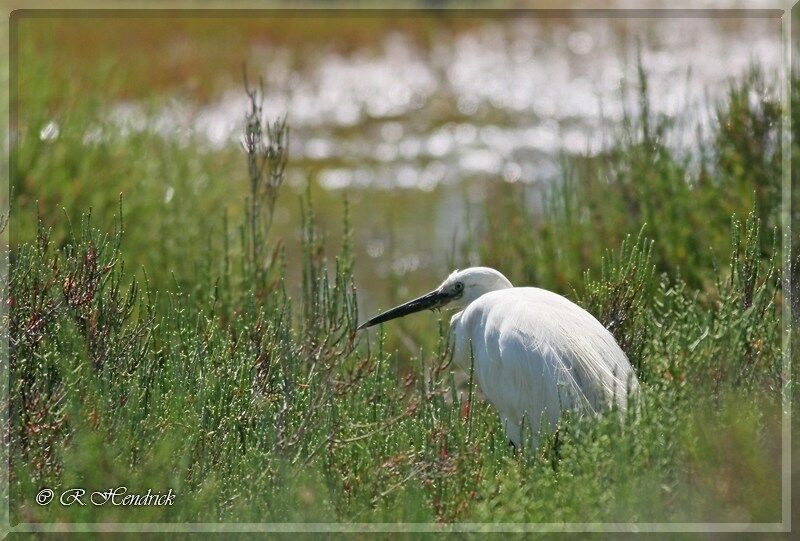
534, 353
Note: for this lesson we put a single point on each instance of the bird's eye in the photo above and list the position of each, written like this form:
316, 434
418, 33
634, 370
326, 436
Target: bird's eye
459, 287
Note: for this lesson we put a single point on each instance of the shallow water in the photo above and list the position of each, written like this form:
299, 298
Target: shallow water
503, 100
414, 131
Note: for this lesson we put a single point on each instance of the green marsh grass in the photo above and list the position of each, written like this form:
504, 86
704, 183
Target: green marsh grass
219, 371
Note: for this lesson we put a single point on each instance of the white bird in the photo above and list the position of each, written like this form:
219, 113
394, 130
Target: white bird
534, 353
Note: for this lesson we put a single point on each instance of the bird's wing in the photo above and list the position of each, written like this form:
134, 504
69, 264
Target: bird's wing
537, 352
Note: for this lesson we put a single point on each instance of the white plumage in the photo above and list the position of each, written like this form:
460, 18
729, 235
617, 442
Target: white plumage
534, 353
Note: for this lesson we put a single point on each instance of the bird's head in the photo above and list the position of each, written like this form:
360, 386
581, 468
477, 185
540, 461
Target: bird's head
457, 291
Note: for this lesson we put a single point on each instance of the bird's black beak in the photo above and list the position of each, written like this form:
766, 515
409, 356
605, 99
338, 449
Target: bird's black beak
434, 299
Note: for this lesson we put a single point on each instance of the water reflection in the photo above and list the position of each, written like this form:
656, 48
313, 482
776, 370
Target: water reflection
413, 132
502, 100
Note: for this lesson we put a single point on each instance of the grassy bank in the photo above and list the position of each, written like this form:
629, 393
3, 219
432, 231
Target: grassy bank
223, 372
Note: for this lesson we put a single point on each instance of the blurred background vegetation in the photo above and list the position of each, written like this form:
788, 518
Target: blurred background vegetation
195, 331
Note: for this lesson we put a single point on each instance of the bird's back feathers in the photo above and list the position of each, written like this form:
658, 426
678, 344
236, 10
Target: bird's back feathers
536, 353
